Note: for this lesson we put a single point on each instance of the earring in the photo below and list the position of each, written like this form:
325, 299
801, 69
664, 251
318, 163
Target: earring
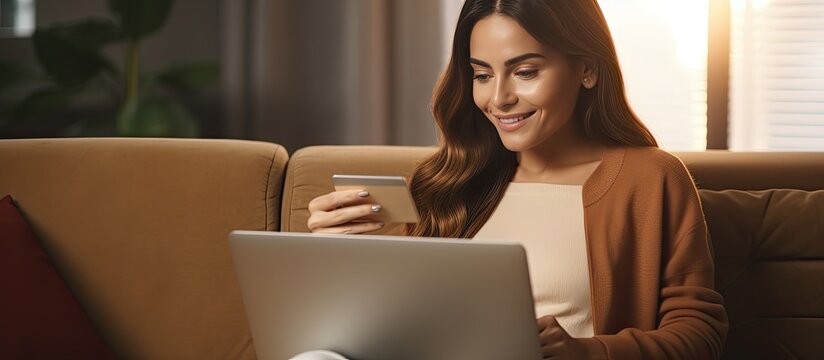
586, 80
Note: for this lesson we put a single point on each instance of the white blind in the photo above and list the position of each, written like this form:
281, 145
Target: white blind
16, 18
662, 47
777, 75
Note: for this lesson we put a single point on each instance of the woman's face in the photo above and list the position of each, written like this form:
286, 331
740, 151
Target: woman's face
525, 88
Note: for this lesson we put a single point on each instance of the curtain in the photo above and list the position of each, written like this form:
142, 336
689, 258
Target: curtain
313, 72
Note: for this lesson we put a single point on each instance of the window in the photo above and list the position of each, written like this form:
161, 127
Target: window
662, 48
777, 75
16, 18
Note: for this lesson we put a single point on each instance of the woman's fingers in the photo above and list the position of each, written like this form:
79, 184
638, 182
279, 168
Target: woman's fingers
334, 212
328, 219
551, 343
336, 199
548, 351
550, 333
547, 321
352, 228
349, 213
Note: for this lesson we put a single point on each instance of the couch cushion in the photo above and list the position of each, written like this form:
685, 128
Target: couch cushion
40, 317
139, 228
769, 255
311, 169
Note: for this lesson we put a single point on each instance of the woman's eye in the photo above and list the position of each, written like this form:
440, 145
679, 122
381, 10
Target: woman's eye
526, 74
481, 77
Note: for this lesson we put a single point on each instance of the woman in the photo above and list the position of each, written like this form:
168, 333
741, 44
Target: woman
539, 144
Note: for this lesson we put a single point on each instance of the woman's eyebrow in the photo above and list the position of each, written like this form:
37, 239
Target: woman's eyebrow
523, 57
479, 62
509, 62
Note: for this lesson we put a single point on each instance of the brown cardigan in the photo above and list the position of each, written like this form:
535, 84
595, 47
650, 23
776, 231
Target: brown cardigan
651, 271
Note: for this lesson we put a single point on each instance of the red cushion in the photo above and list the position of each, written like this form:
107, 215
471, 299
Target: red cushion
39, 317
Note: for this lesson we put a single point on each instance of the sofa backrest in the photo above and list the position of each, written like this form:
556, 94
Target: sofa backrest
138, 228
765, 215
768, 243
720, 170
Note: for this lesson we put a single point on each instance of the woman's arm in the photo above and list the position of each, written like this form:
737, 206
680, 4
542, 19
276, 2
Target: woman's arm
692, 321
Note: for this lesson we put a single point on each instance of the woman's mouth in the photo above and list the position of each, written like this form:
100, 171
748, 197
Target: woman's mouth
511, 122
511, 119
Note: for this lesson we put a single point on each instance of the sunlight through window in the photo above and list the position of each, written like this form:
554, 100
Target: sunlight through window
662, 47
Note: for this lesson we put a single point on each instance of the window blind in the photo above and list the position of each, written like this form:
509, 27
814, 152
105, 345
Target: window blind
16, 18
777, 75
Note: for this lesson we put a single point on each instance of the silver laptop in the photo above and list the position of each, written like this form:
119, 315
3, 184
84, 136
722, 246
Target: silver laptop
385, 297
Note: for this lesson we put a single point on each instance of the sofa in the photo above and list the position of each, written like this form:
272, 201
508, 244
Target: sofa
138, 230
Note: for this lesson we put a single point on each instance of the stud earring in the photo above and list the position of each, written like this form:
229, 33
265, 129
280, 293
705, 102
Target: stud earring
586, 80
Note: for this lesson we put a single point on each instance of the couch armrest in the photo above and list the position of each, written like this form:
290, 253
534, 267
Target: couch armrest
138, 228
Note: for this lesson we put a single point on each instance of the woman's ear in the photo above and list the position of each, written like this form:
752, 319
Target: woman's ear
590, 73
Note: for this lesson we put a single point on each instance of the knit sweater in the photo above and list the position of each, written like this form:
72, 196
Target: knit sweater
651, 271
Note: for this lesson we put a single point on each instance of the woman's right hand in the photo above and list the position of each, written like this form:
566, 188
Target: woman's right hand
339, 212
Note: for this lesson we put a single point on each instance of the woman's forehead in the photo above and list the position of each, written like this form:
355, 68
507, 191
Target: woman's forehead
499, 37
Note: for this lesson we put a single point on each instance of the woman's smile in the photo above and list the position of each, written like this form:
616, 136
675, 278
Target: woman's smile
512, 122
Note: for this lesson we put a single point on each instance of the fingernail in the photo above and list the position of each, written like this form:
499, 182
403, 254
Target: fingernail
376, 208
363, 194
380, 224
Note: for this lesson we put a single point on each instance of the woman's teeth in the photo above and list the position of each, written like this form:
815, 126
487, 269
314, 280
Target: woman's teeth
515, 119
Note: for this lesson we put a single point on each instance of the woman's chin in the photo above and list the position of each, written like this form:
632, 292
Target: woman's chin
514, 143
514, 146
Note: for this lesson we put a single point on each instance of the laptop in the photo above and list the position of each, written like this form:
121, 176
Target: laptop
385, 297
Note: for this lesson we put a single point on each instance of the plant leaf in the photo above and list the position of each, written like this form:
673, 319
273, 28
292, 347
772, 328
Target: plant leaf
156, 117
139, 18
45, 101
70, 53
189, 77
91, 33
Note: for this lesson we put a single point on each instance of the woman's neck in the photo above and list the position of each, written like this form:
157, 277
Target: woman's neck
567, 157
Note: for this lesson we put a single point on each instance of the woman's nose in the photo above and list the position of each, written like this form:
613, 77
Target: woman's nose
503, 96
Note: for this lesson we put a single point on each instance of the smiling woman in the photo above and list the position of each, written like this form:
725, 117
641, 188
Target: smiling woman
488, 77
539, 146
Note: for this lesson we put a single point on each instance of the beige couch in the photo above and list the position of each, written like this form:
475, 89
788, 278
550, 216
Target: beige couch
138, 229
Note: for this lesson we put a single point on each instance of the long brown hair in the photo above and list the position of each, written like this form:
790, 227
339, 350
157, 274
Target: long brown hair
457, 188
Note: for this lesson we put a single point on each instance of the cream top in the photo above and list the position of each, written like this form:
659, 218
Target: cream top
548, 219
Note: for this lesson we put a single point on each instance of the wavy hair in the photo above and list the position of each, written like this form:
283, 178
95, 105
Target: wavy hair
457, 188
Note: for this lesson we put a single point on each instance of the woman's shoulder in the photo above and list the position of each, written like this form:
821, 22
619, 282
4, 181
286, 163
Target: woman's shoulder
640, 171
651, 162
653, 158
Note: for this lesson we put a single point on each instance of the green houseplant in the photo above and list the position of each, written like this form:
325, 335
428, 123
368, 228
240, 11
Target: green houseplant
73, 63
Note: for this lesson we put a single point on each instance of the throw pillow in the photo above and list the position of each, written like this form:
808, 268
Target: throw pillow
39, 317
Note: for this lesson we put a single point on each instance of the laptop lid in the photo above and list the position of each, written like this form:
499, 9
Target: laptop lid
385, 297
